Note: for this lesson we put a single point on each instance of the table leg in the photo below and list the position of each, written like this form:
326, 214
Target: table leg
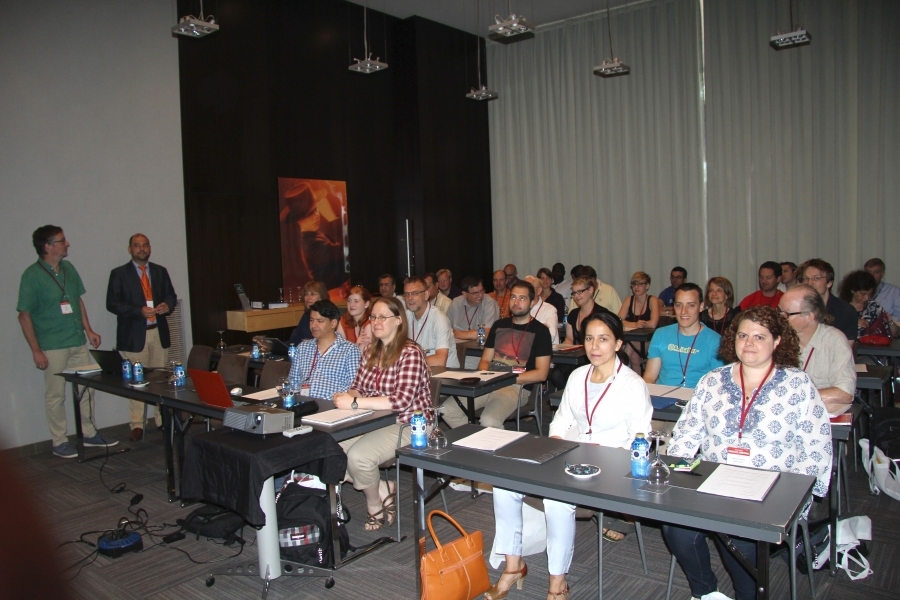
168, 452
419, 525
600, 555
267, 536
79, 432
762, 570
833, 509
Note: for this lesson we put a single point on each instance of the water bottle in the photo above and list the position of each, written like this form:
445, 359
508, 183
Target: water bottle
178, 372
565, 321
126, 370
292, 350
138, 371
640, 457
481, 336
254, 353
417, 427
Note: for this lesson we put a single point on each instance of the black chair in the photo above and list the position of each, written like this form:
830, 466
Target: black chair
199, 358
532, 408
233, 368
273, 372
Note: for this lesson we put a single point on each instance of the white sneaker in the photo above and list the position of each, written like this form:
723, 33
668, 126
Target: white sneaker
712, 596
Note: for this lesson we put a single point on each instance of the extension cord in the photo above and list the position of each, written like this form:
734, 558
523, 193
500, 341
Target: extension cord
113, 546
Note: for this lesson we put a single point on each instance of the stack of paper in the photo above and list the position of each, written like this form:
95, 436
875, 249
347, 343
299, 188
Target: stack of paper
490, 439
337, 415
739, 482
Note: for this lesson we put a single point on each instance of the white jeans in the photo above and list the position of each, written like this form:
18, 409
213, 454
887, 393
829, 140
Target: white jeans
560, 529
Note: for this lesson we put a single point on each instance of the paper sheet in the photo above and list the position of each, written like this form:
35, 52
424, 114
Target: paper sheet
862, 369
739, 482
482, 375
269, 394
337, 415
84, 369
490, 439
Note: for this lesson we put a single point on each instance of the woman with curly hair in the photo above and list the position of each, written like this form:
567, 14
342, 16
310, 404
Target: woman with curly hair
857, 289
759, 411
354, 325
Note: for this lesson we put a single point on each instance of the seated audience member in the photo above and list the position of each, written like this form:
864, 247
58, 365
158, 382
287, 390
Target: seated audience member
820, 275
327, 363
640, 309
472, 309
679, 354
550, 295
393, 376
719, 299
500, 293
786, 429
387, 286
583, 296
542, 311
355, 326
520, 344
768, 294
604, 403
604, 294
435, 297
313, 291
512, 275
788, 276
676, 278
446, 286
887, 295
561, 285
825, 354
857, 289
429, 327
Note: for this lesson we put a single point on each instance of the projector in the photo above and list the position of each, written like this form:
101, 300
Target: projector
258, 419
513, 29
791, 39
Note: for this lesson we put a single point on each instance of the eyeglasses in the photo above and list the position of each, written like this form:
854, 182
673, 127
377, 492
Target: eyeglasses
813, 278
412, 294
476, 292
382, 318
62, 241
636, 283
792, 314
579, 292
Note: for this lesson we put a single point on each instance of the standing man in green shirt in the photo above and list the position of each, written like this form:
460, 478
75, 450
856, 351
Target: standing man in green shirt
54, 322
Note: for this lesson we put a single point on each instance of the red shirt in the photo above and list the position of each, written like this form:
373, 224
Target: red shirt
406, 383
757, 299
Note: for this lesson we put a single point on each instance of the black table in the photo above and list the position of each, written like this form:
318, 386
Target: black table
876, 377
569, 357
470, 391
769, 521
641, 336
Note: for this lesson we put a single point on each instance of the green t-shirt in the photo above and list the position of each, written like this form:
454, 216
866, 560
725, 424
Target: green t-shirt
41, 291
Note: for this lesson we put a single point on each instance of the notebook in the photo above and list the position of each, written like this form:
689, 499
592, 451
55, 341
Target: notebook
110, 361
211, 389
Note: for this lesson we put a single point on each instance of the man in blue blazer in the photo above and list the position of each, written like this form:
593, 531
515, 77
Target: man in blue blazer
140, 294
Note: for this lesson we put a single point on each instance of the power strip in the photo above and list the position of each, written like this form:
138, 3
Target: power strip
114, 546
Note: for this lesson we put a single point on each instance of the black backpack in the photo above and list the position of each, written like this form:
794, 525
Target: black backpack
215, 522
304, 526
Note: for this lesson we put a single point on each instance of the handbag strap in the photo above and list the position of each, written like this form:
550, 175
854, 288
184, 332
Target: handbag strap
434, 536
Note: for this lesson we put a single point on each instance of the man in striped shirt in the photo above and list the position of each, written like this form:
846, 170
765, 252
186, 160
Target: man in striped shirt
326, 364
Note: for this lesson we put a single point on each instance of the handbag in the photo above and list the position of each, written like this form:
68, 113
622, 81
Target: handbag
454, 571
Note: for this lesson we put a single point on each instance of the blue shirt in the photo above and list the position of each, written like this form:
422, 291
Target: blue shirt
888, 296
677, 369
325, 374
667, 296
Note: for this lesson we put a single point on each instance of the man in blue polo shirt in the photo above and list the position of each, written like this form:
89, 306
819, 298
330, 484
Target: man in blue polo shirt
54, 322
326, 364
682, 353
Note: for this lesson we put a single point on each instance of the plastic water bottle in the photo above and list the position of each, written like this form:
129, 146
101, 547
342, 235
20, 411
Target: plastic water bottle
481, 336
292, 350
138, 371
254, 353
640, 457
178, 372
126, 370
417, 427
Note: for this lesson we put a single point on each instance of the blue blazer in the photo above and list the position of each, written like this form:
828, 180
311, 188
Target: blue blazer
125, 299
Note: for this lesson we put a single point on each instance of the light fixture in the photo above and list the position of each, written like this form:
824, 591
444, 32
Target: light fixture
793, 38
367, 65
515, 28
482, 92
195, 27
611, 67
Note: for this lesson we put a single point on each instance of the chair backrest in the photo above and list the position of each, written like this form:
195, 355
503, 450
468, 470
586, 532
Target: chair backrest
233, 368
273, 372
435, 391
200, 358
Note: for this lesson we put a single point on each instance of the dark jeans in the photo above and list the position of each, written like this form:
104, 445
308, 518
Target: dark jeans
692, 551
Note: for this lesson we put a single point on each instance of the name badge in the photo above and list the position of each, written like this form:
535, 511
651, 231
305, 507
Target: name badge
150, 303
518, 370
304, 389
65, 307
739, 456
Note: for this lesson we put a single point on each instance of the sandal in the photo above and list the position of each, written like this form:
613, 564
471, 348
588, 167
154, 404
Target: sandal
496, 594
383, 517
608, 535
557, 595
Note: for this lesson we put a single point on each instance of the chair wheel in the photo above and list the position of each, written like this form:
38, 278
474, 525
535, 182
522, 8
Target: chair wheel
329, 583
210, 581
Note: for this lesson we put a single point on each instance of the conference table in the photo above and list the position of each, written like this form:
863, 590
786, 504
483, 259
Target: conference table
641, 336
771, 521
575, 356
458, 389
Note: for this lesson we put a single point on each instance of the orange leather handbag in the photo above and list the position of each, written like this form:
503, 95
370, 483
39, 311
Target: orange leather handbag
455, 571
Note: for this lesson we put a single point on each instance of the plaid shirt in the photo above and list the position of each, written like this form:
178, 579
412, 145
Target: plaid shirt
334, 371
406, 383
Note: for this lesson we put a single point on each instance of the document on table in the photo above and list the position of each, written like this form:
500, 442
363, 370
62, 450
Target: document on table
268, 394
862, 368
490, 439
84, 370
482, 375
337, 415
739, 482
670, 391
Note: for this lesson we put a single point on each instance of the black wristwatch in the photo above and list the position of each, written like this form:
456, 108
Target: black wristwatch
354, 405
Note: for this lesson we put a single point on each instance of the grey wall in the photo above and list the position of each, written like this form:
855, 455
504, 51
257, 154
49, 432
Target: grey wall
90, 140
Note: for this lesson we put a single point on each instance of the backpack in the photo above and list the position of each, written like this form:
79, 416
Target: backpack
304, 526
212, 521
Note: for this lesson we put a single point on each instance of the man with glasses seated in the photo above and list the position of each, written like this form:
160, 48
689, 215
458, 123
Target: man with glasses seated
472, 309
428, 326
887, 295
327, 363
435, 297
676, 278
387, 286
825, 354
519, 343
820, 275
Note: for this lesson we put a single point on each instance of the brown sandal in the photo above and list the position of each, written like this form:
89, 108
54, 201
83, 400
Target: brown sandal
557, 595
495, 594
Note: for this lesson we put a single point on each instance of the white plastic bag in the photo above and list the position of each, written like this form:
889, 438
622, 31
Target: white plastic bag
850, 532
885, 476
534, 535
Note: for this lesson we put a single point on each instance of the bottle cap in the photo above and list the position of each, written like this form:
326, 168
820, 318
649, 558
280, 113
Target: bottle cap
639, 435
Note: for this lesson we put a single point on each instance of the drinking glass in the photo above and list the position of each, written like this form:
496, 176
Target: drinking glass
436, 437
221, 345
281, 294
659, 470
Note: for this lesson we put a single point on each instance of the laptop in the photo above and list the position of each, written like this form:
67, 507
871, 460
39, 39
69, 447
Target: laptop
245, 301
211, 389
110, 361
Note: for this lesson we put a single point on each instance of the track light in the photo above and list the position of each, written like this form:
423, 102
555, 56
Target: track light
611, 67
514, 29
792, 39
367, 65
194, 27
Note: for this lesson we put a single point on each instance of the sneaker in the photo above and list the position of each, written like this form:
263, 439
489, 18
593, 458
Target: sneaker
99, 441
65, 450
712, 596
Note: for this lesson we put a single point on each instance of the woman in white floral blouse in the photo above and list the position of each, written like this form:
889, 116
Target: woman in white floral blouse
759, 411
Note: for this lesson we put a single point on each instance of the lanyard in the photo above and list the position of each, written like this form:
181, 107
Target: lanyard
62, 287
809, 356
684, 367
746, 411
521, 337
722, 320
316, 359
468, 320
416, 335
590, 415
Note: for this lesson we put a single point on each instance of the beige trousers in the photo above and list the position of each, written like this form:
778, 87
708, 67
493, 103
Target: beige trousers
55, 392
366, 452
497, 407
153, 355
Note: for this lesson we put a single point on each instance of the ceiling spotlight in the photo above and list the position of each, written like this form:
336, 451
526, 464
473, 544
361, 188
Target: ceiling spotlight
792, 39
611, 68
514, 29
367, 65
195, 27
482, 93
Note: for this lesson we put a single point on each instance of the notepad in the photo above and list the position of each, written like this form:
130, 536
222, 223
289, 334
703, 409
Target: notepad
739, 482
536, 449
337, 415
482, 375
862, 368
490, 439
269, 394
84, 370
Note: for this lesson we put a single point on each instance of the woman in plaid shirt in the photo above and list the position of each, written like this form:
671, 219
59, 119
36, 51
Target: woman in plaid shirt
393, 376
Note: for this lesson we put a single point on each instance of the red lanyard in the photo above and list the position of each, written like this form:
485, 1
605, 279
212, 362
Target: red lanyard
809, 356
590, 415
746, 411
468, 320
684, 367
722, 321
316, 359
427, 314
521, 337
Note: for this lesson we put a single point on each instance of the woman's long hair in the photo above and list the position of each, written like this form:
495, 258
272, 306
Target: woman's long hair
387, 354
347, 319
